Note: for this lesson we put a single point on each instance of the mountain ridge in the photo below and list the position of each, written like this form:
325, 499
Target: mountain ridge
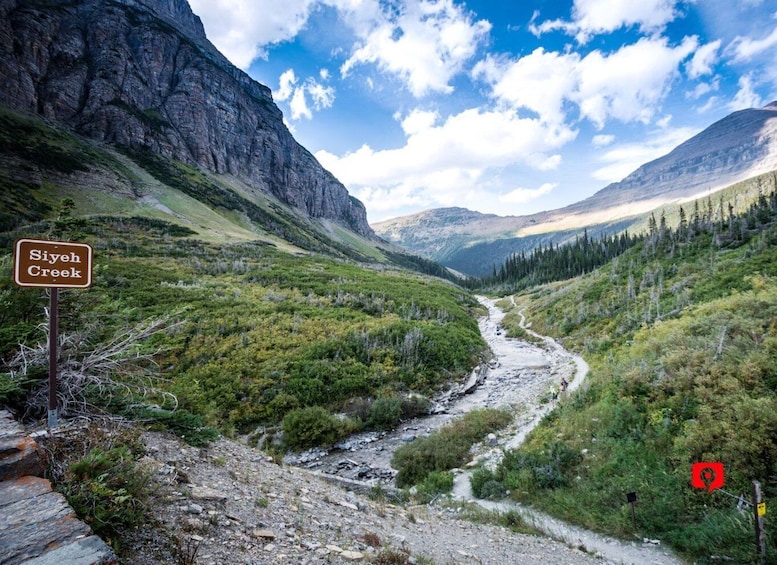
142, 75
739, 146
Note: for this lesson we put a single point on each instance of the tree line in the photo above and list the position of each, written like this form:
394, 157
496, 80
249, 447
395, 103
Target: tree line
556, 262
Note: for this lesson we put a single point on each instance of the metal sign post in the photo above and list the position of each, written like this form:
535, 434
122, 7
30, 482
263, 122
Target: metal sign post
54, 265
631, 498
53, 330
759, 508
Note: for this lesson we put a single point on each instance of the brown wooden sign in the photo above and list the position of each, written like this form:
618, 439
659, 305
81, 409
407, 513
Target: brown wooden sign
43, 263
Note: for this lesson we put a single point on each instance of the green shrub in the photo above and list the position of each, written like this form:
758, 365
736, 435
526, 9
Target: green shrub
447, 448
435, 484
310, 427
484, 484
9, 388
385, 413
414, 406
108, 490
189, 427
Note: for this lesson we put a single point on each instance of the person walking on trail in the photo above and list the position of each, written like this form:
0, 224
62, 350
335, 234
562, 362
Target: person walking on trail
553, 393
564, 384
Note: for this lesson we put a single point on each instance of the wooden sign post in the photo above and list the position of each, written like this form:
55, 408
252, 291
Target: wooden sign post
54, 265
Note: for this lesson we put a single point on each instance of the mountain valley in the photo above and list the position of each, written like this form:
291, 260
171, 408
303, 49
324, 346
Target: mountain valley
242, 311
739, 147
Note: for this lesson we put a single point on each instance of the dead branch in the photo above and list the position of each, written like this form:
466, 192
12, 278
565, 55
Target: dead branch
121, 368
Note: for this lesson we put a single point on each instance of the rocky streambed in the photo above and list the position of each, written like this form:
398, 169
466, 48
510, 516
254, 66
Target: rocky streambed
519, 377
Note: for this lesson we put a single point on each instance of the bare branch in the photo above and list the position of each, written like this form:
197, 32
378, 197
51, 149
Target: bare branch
121, 368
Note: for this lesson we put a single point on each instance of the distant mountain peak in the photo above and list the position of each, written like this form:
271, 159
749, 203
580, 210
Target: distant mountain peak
739, 146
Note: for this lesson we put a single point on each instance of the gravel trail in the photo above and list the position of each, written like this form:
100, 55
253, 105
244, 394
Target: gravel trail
509, 354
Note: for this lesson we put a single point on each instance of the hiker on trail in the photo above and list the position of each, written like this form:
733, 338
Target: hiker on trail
564, 384
553, 393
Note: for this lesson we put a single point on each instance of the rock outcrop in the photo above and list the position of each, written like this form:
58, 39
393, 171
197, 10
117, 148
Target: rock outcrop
141, 74
37, 526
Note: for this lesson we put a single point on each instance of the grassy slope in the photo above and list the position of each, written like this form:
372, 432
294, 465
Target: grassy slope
43, 165
277, 310
262, 331
682, 371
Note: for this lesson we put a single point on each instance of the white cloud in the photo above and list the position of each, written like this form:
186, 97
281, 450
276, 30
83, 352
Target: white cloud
323, 96
417, 121
474, 139
627, 85
299, 105
240, 29
540, 81
745, 97
524, 195
594, 17
713, 100
320, 95
424, 43
703, 88
286, 82
630, 84
447, 162
703, 60
746, 48
602, 140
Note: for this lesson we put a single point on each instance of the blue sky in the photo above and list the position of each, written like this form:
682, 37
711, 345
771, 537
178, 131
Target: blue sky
507, 107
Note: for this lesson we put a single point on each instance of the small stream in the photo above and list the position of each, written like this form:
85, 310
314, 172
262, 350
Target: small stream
519, 377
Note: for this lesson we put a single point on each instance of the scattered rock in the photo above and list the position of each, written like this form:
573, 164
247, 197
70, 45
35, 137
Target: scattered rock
205, 493
194, 509
264, 534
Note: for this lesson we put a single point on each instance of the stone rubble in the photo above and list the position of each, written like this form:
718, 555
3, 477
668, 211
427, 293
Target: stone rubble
229, 504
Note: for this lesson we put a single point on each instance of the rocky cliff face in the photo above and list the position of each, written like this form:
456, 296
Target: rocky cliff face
142, 74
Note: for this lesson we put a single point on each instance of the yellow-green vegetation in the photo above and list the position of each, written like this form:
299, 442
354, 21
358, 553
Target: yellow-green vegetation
255, 333
98, 470
681, 336
426, 460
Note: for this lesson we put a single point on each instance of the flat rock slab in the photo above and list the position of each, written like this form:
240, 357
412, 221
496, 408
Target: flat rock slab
37, 525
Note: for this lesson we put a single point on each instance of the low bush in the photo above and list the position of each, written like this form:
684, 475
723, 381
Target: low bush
435, 484
385, 413
189, 427
414, 406
97, 469
108, 490
447, 448
312, 426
